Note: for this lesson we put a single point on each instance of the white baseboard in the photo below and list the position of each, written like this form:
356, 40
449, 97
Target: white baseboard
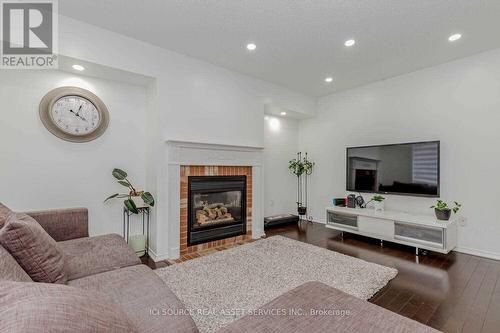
155, 257
479, 253
259, 237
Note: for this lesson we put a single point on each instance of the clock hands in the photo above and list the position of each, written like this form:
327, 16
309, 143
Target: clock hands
79, 109
78, 113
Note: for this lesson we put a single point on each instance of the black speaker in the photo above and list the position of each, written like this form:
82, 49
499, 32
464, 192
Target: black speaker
351, 201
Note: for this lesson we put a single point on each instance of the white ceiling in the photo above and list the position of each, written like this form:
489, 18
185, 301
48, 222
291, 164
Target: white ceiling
300, 42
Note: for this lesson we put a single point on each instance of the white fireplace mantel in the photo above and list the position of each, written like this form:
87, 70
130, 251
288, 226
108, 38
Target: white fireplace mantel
167, 228
194, 153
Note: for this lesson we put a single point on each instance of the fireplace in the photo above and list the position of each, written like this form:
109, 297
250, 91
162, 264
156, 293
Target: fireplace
216, 208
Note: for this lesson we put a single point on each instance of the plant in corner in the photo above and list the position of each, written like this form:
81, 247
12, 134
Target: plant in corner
443, 212
129, 203
301, 167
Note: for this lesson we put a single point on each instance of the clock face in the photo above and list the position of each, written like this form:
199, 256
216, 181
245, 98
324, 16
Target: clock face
75, 115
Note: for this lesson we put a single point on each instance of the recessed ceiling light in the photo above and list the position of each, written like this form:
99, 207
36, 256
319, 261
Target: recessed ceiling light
454, 37
78, 67
251, 47
266, 117
349, 42
329, 79
283, 113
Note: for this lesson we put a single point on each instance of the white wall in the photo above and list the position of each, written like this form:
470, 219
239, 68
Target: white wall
457, 103
194, 97
41, 171
281, 139
190, 100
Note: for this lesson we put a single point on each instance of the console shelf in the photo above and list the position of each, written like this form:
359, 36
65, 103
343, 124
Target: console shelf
420, 231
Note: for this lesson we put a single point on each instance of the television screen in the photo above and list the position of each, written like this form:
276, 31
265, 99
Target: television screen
408, 168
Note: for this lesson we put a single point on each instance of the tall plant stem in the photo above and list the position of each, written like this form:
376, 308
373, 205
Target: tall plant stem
305, 182
131, 186
299, 157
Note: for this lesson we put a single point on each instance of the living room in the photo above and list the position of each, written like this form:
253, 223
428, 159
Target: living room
189, 118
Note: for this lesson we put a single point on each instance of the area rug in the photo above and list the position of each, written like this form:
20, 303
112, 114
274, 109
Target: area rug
221, 287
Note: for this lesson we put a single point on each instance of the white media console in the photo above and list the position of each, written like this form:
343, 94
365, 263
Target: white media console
420, 231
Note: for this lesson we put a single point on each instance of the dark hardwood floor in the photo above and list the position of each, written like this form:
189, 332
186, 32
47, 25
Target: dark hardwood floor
452, 293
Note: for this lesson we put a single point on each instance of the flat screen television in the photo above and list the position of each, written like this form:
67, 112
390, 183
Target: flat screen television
404, 168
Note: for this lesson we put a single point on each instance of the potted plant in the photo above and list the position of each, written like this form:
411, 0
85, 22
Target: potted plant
443, 212
301, 167
134, 198
378, 202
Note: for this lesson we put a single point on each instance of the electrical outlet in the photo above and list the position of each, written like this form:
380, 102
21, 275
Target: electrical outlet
462, 221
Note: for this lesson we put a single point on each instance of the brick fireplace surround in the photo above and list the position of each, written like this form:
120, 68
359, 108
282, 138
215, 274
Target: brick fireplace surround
193, 170
200, 158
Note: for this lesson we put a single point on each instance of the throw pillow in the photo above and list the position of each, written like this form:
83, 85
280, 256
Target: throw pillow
34, 250
10, 269
4, 214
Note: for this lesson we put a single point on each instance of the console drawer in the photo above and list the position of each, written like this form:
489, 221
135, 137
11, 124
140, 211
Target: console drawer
420, 234
345, 220
376, 226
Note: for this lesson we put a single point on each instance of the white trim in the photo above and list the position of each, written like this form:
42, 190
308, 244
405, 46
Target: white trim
257, 202
176, 153
155, 257
212, 146
479, 253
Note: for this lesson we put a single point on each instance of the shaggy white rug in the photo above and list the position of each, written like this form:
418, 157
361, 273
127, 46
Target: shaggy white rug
221, 287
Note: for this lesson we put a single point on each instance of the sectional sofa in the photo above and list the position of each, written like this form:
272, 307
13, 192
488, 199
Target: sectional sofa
107, 289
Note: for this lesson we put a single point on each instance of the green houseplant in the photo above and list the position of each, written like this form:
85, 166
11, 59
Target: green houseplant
301, 167
443, 212
130, 202
378, 202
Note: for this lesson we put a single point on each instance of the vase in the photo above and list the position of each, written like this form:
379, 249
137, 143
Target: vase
443, 215
378, 206
138, 244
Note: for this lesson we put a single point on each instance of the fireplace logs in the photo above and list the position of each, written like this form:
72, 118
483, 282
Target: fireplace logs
213, 213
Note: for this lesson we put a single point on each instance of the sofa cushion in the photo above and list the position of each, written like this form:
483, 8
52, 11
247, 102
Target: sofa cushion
4, 214
35, 251
42, 307
315, 307
144, 297
10, 269
92, 255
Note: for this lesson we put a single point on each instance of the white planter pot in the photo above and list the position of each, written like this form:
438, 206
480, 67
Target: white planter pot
378, 206
138, 243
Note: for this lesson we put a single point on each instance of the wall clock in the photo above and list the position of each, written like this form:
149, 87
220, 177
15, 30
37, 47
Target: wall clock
74, 114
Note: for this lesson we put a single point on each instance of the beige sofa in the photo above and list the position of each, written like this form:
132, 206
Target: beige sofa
107, 266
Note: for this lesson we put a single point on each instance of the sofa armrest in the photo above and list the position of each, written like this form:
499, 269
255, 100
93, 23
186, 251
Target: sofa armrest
63, 224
